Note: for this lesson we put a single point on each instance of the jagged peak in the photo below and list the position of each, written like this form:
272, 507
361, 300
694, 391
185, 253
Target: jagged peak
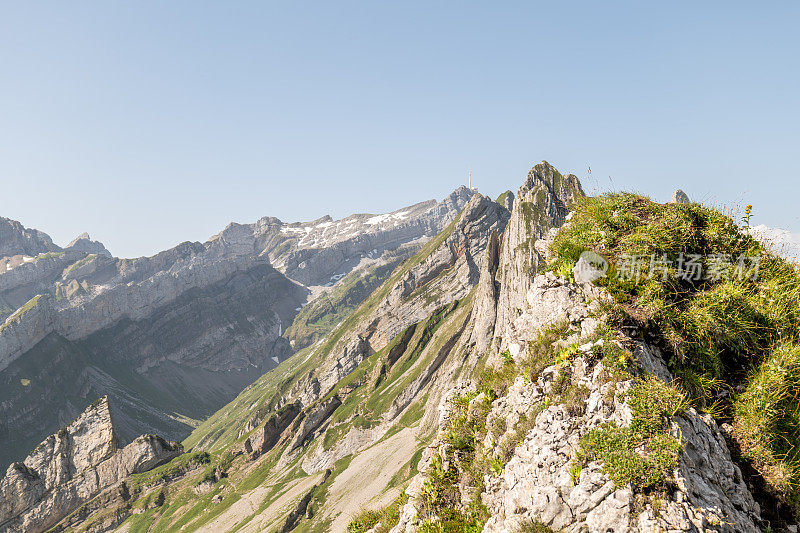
94, 425
462, 191
16, 239
565, 186
82, 236
72, 466
84, 243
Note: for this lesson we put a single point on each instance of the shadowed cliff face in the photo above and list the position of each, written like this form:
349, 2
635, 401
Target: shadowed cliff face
172, 337
190, 356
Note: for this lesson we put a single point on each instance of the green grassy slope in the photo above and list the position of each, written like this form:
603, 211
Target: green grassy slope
371, 390
319, 317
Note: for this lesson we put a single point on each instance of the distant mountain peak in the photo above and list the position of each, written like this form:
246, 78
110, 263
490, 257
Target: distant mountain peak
84, 243
16, 239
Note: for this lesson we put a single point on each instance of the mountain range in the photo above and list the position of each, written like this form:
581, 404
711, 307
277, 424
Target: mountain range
445, 367
173, 337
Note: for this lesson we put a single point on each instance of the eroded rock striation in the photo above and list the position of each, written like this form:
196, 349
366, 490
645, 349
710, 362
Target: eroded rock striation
540, 205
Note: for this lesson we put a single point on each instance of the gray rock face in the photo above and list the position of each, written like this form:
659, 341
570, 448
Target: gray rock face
541, 203
507, 200
84, 243
446, 274
268, 434
538, 483
485, 311
313, 418
72, 466
679, 197
15, 239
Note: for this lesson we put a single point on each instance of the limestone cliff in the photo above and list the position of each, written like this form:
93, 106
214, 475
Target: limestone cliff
71, 467
542, 480
16, 239
541, 204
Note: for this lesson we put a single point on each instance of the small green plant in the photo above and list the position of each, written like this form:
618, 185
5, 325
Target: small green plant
575, 472
364, 521
748, 212
534, 526
496, 464
645, 453
566, 355
765, 411
384, 518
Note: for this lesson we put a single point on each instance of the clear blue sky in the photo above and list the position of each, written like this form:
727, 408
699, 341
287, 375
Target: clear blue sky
150, 123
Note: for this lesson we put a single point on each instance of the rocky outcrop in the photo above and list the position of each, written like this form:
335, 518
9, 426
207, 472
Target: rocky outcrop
541, 204
302, 507
267, 435
313, 418
679, 197
539, 483
542, 482
84, 243
71, 467
16, 239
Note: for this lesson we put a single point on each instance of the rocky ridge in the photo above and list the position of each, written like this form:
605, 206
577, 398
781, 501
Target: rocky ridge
542, 482
445, 271
371, 425
72, 466
15, 239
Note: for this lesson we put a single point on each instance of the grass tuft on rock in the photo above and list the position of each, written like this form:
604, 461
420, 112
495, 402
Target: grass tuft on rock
730, 333
645, 453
